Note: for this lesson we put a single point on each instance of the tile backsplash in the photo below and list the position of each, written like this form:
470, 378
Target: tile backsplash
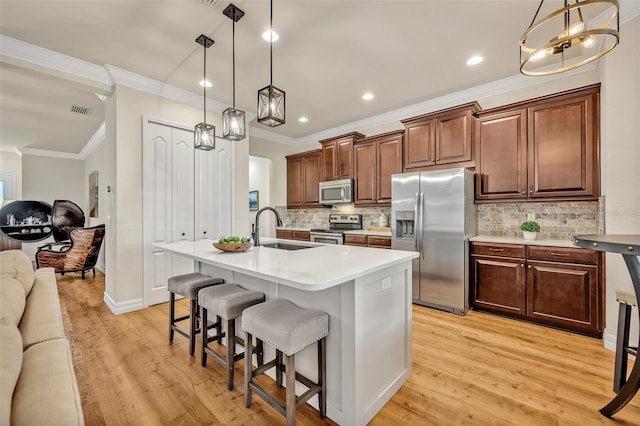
558, 220
319, 218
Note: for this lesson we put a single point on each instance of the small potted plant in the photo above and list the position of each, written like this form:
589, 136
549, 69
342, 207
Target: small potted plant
529, 229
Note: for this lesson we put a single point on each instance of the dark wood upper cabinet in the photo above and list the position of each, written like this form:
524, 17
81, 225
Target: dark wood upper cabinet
337, 156
441, 139
303, 176
545, 148
562, 147
376, 158
502, 151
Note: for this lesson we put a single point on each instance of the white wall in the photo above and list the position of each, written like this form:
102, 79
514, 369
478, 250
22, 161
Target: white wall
11, 164
124, 118
96, 162
48, 179
260, 172
620, 136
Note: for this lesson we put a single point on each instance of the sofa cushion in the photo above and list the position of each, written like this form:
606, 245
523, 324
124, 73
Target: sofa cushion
42, 319
12, 299
10, 364
46, 395
16, 264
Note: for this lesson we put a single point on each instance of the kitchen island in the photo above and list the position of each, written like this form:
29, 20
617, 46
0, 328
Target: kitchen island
365, 291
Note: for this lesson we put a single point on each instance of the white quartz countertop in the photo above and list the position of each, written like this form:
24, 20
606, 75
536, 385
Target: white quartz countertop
317, 268
506, 240
292, 228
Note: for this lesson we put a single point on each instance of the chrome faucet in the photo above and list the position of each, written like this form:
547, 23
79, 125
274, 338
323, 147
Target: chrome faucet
256, 239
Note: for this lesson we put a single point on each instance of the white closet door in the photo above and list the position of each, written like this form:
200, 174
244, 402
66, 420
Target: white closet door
205, 201
182, 195
157, 211
187, 195
224, 159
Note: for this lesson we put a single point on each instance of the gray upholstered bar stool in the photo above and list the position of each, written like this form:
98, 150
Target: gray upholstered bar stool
227, 301
289, 329
188, 286
626, 299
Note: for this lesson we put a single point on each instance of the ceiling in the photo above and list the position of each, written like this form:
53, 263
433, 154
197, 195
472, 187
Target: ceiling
329, 54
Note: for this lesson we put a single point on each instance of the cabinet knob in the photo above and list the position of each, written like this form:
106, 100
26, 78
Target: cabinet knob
182, 234
529, 266
204, 232
531, 191
524, 192
522, 265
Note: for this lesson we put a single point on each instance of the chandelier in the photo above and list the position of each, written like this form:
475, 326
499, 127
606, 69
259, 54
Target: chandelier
570, 37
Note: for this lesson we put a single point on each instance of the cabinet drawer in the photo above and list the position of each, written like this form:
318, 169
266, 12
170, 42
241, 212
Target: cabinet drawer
563, 254
379, 241
500, 250
358, 240
284, 234
301, 235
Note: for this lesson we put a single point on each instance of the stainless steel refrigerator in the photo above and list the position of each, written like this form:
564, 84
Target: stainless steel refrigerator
433, 213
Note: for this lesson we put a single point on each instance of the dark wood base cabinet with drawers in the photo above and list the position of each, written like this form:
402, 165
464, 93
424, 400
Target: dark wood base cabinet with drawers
557, 286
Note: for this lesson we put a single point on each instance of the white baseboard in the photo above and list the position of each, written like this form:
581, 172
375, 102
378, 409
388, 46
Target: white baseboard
100, 267
122, 307
609, 339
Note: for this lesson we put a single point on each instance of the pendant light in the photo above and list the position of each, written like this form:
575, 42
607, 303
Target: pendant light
205, 134
271, 100
233, 122
570, 37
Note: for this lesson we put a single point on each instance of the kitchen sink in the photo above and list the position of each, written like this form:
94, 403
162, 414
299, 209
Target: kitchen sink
286, 246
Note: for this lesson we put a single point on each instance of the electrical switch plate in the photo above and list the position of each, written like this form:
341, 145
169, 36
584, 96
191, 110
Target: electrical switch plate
531, 216
386, 283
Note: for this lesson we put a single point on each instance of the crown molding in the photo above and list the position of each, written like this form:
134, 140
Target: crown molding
272, 136
51, 60
93, 142
486, 90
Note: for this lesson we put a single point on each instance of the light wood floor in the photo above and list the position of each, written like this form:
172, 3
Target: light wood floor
474, 370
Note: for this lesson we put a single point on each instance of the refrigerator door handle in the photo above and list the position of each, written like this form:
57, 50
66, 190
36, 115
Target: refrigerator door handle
421, 224
416, 224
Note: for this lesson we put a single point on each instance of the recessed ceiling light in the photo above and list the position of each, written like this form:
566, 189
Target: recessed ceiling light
303, 119
475, 60
367, 96
270, 35
205, 83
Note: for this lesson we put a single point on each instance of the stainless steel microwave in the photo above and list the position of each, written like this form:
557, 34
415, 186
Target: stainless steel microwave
336, 191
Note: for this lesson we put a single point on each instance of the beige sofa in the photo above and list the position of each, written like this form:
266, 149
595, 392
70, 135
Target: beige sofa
37, 383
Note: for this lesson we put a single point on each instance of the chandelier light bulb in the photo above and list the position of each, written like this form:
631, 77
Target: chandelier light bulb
588, 42
270, 36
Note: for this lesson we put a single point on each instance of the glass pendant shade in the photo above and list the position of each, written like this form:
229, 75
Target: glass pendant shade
233, 124
205, 136
271, 106
569, 37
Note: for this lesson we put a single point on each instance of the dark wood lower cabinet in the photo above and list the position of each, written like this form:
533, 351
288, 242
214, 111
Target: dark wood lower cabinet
560, 287
290, 234
498, 285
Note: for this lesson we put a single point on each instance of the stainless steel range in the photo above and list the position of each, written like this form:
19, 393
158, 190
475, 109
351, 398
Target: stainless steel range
338, 223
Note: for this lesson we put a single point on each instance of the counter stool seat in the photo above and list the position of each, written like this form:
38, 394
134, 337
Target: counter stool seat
627, 300
289, 329
188, 286
227, 301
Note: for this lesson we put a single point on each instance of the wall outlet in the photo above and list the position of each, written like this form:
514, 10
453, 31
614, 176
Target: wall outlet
531, 216
385, 284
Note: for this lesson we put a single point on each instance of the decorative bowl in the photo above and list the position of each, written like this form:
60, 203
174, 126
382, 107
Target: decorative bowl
233, 247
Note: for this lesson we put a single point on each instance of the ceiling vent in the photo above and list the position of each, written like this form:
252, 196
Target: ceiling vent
81, 110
